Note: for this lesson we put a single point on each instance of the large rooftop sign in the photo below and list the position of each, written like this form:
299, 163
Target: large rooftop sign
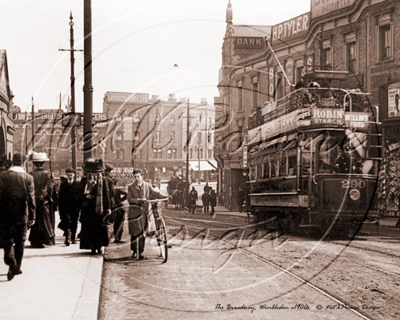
323, 7
126, 97
290, 30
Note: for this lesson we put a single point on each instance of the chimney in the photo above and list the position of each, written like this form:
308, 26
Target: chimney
203, 101
183, 100
172, 97
155, 97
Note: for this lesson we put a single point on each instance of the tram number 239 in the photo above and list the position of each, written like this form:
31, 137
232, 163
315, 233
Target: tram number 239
354, 184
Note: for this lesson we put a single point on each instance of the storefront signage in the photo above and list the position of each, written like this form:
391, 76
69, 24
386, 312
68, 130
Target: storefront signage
394, 100
127, 97
249, 42
324, 7
392, 132
356, 119
327, 116
310, 64
394, 146
292, 29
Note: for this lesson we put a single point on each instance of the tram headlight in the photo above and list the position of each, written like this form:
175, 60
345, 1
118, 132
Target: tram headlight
354, 194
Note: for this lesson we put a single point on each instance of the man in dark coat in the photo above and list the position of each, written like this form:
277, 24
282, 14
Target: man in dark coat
42, 232
69, 206
17, 194
95, 206
138, 192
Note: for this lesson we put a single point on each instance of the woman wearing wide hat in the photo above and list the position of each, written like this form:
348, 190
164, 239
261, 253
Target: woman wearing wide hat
42, 232
95, 206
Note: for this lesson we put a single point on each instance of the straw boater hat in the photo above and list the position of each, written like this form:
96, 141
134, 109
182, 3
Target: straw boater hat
93, 165
38, 157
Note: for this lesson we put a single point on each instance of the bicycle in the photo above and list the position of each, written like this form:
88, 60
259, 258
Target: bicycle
161, 231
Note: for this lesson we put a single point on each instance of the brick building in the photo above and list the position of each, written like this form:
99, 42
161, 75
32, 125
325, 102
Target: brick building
349, 44
151, 134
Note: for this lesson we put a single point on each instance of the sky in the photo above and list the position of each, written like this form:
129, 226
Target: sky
135, 46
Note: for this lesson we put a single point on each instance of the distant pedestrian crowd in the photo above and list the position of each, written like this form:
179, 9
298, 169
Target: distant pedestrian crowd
30, 201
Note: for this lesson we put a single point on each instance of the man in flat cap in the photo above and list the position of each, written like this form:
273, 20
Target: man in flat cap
69, 206
17, 192
138, 192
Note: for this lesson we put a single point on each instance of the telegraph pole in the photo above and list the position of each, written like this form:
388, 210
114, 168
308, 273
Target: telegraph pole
88, 86
72, 50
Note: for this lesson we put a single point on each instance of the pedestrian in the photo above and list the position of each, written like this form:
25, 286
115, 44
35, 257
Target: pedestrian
52, 206
241, 196
138, 192
17, 193
213, 201
120, 196
206, 201
42, 231
95, 206
192, 200
207, 188
69, 206
118, 213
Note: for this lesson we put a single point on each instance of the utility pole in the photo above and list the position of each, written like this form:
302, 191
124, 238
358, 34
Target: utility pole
187, 154
33, 126
88, 85
72, 50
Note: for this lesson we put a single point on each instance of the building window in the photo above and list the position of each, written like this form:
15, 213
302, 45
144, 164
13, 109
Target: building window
210, 153
351, 56
326, 58
280, 86
157, 153
172, 119
169, 153
137, 155
157, 137
120, 153
173, 153
200, 153
240, 96
158, 117
385, 42
299, 73
137, 135
119, 136
255, 93
172, 135
191, 153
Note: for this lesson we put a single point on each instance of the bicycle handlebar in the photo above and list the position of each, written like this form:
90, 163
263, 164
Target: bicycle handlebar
156, 200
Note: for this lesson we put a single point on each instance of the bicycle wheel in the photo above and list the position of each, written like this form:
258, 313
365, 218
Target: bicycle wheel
162, 239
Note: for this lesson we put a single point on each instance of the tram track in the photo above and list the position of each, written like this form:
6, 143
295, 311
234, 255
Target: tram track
322, 291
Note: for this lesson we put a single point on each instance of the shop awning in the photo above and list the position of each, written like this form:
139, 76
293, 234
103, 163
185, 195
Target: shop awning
205, 165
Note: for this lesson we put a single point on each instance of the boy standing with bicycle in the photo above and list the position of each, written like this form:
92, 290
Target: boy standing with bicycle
138, 192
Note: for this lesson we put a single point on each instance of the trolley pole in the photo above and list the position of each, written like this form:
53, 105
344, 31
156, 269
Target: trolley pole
72, 58
88, 85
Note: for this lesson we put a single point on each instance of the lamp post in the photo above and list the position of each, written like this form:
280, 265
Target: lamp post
88, 86
198, 155
33, 126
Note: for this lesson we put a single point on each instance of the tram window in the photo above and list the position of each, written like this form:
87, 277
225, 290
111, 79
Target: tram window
259, 171
282, 164
292, 156
252, 170
274, 166
266, 167
305, 163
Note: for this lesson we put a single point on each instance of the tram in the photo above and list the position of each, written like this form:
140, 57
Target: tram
313, 160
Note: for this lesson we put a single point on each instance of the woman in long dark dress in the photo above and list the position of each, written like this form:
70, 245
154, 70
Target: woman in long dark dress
95, 206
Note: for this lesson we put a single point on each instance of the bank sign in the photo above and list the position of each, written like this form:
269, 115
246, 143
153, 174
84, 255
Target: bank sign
249, 42
324, 7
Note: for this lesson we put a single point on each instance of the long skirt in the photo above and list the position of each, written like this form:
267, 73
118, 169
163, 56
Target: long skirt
94, 234
42, 231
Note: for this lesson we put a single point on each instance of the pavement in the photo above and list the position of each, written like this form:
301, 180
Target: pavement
60, 282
